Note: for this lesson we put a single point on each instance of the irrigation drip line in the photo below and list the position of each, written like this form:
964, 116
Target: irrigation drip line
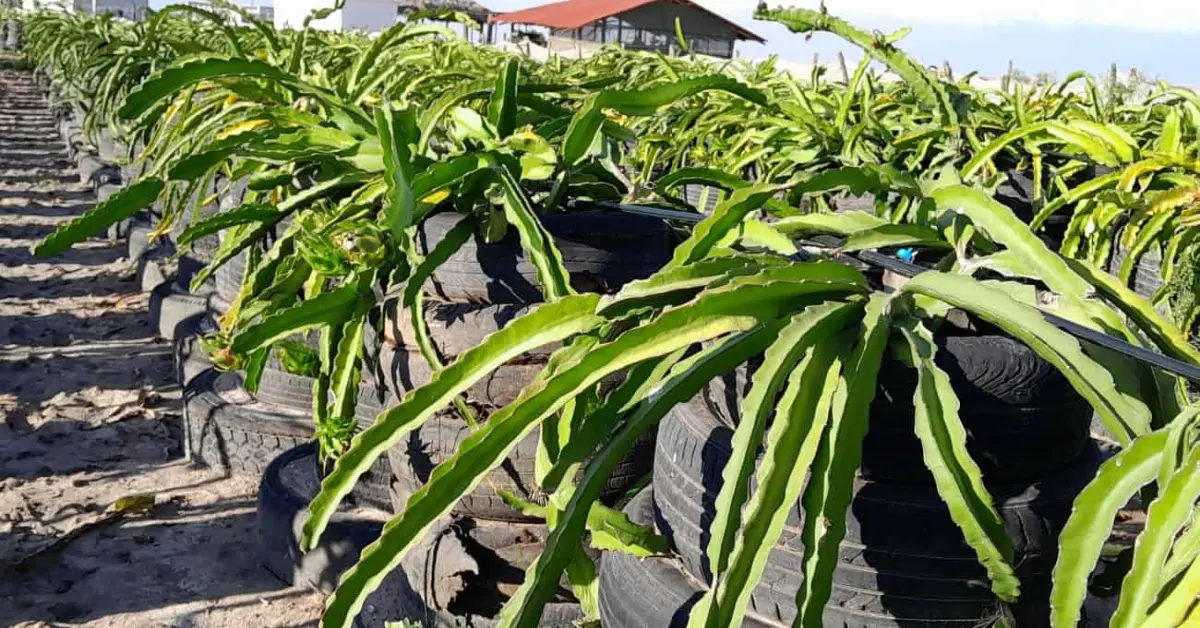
907, 269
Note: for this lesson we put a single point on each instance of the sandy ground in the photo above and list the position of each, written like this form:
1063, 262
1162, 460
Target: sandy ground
89, 415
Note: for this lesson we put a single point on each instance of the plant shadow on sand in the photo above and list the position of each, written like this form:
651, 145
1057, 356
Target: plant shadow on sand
181, 556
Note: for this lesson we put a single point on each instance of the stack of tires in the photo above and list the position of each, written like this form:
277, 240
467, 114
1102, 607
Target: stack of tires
468, 566
903, 561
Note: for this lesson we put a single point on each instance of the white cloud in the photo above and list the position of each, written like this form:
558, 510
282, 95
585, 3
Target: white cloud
1165, 15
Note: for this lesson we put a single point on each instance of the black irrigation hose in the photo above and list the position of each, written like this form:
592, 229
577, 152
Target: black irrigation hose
906, 269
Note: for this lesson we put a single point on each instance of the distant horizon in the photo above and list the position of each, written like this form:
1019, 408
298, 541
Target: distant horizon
1058, 37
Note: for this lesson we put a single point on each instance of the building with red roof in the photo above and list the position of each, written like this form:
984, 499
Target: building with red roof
584, 25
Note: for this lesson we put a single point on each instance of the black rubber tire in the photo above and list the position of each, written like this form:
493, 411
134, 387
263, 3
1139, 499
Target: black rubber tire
228, 277
119, 230
67, 126
657, 592
171, 305
374, 488
601, 250
899, 540
77, 147
201, 249
109, 148
1017, 193
155, 266
438, 438
654, 592
88, 165
288, 485
1022, 416
703, 197
407, 370
130, 173
455, 328
188, 266
106, 191
1147, 273
228, 430
139, 238
107, 177
460, 575
190, 359
235, 196
280, 388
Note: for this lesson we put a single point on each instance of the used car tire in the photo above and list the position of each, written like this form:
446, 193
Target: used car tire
1023, 417
201, 249
227, 429
658, 592
407, 370
438, 438
455, 328
190, 359
1147, 272
901, 547
138, 241
228, 277
374, 488
461, 574
602, 251
280, 388
171, 305
287, 487
88, 165
155, 266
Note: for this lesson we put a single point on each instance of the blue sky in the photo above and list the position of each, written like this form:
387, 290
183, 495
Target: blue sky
1159, 37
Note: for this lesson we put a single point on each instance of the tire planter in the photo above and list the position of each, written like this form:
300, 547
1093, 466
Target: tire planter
107, 191
155, 266
280, 388
374, 488
1022, 416
171, 304
1147, 273
287, 487
902, 561
461, 574
228, 277
190, 359
110, 149
479, 289
202, 249
138, 243
293, 393
654, 592
602, 251
88, 165
438, 438
227, 429
13, 33
703, 197
407, 370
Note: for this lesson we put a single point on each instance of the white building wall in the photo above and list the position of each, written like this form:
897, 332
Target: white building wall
369, 15
130, 9
34, 5
292, 13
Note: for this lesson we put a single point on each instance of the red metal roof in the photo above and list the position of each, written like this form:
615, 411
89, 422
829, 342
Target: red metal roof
570, 14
